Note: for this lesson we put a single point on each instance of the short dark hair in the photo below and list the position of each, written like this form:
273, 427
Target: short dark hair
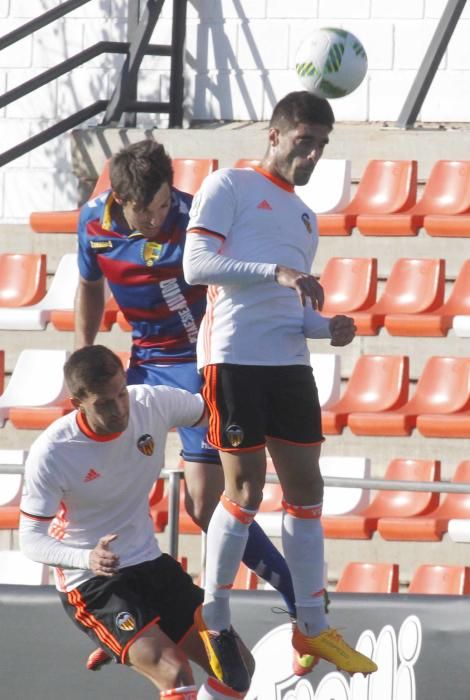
138, 171
301, 107
89, 369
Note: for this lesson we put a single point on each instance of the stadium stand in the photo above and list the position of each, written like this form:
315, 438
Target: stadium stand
434, 579
22, 279
447, 191
432, 524
362, 525
414, 285
386, 186
373, 577
442, 388
377, 383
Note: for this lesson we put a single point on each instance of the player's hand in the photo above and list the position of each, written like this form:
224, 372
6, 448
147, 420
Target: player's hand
103, 562
306, 286
342, 329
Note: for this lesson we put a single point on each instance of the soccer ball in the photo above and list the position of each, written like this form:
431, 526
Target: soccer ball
331, 62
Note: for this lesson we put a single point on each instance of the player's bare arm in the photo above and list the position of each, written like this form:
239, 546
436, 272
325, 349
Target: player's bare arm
306, 286
342, 330
103, 561
89, 306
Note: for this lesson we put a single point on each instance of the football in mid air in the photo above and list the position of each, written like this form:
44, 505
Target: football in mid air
331, 62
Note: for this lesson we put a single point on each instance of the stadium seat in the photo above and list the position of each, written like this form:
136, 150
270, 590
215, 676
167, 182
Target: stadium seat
122, 322
339, 500
452, 225
458, 529
442, 388
246, 163
64, 319
158, 506
461, 325
329, 187
350, 284
362, 525
447, 191
433, 579
37, 380
336, 500
17, 569
23, 279
327, 373
386, 186
414, 285
188, 173
38, 417
438, 321
61, 295
374, 577
432, 525
377, 383
2, 371
66, 221
11, 484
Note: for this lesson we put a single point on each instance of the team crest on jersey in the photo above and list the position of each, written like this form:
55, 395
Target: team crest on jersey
235, 435
151, 252
307, 222
101, 244
146, 444
125, 622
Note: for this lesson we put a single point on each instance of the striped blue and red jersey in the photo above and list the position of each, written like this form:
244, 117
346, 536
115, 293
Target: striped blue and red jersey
146, 278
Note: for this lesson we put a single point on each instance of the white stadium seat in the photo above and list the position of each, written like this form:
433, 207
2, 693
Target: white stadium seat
461, 326
11, 484
37, 380
458, 529
327, 372
60, 295
329, 188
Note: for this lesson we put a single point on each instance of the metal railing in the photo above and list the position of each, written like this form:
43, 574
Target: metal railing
123, 101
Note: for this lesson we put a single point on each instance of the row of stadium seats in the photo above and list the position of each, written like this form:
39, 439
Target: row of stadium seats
384, 204
375, 400
411, 304
383, 577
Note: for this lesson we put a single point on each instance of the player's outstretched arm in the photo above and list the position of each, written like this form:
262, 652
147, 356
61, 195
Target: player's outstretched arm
89, 307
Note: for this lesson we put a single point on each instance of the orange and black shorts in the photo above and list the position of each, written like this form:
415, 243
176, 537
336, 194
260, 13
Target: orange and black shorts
248, 403
114, 611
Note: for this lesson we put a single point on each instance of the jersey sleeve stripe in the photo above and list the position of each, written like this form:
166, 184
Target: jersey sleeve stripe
206, 232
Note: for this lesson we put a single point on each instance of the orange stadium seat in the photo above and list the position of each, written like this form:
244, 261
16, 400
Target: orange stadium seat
350, 284
363, 577
442, 388
452, 225
122, 322
246, 579
377, 383
2, 371
447, 191
362, 525
386, 186
439, 321
414, 285
158, 509
432, 525
433, 579
188, 173
64, 319
23, 279
246, 163
38, 417
66, 221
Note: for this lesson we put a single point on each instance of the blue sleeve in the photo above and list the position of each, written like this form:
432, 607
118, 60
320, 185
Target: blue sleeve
87, 263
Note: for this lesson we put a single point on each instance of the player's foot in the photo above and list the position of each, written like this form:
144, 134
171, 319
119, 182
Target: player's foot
330, 645
97, 659
224, 655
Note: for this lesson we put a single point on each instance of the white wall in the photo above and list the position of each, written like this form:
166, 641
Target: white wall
239, 63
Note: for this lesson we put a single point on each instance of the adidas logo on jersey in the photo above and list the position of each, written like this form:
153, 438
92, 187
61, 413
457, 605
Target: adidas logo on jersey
264, 205
92, 474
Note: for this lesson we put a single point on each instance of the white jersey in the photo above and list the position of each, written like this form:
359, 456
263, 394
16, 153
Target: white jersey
95, 485
258, 219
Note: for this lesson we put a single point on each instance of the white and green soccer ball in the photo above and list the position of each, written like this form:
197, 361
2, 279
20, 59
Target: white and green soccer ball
331, 62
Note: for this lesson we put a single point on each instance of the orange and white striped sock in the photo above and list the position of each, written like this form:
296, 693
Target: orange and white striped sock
302, 541
226, 541
213, 689
184, 692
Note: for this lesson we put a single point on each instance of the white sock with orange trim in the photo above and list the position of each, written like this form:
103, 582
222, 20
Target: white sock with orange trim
302, 541
226, 541
184, 692
213, 689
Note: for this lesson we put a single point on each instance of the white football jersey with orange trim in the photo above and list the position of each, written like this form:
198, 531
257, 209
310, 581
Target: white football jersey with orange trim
97, 487
258, 219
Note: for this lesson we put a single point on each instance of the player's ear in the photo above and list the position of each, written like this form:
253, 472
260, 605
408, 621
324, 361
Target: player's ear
273, 136
117, 198
76, 403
